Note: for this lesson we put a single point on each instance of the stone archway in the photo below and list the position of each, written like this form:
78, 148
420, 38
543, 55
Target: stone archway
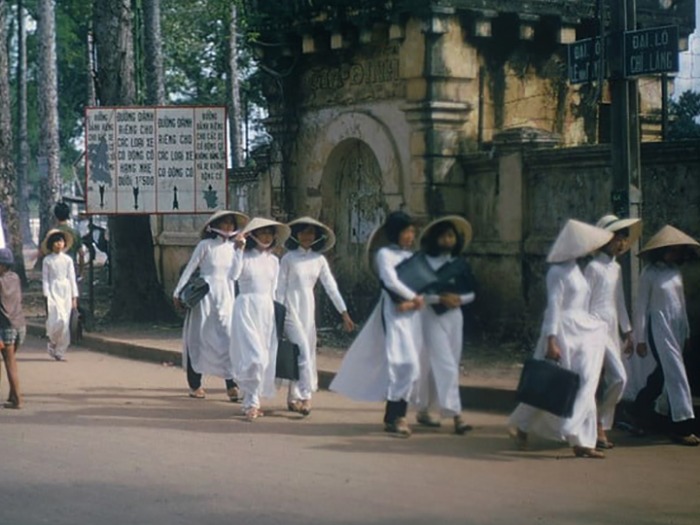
354, 202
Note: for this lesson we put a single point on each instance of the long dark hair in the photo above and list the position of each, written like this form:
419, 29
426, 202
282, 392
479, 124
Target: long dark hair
396, 222
431, 237
213, 235
53, 238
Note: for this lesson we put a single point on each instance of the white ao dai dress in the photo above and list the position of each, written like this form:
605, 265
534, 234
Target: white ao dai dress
59, 288
582, 340
300, 270
206, 334
382, 363
254, 341
661, 314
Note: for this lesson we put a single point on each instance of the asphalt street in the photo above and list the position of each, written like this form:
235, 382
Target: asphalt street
106, 440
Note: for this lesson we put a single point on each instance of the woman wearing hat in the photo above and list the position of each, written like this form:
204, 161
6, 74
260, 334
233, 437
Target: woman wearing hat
661, 325
444, 241
607, 303
254, 342
382, 363
206, 333
60, 291
300, 269
573, 338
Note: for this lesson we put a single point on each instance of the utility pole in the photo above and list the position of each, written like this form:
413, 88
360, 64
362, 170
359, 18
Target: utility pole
625, 139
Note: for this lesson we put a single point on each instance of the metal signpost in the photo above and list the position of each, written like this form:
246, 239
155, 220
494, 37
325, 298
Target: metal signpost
154, 160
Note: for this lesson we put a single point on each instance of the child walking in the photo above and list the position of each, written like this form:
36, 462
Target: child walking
206, 334
444, 241
661, 325
12, 324
60, 291
254, 341
382, 363
300, 269
607, 303
573, 338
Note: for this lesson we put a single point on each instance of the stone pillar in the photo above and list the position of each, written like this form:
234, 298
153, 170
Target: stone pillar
435, 106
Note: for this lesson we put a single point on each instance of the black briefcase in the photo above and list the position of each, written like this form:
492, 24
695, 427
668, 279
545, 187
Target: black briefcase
546, 385
416, 273
287, 366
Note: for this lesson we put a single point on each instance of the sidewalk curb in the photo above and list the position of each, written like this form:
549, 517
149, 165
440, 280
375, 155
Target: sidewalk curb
481, 398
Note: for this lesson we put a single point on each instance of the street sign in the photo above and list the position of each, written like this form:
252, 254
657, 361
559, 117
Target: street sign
651, 51
584, 60
145, 160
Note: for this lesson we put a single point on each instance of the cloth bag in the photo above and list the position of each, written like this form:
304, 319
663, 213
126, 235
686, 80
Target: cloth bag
194, 291
287, 365
546, 385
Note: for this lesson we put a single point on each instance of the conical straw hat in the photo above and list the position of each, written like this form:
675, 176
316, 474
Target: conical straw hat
241, 220
327, 232
577, 239
282, 231
613, 223
670, 236
66, 236
461, 224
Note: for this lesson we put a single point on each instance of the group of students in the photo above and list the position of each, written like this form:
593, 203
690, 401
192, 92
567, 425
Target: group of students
231, 333
584, 318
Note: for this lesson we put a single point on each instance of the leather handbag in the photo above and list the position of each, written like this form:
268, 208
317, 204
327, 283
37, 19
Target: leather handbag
416, 273
546, 385
194, 291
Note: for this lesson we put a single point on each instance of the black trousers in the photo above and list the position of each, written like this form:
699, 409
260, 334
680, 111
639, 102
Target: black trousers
644, 402
395, 410
194, 379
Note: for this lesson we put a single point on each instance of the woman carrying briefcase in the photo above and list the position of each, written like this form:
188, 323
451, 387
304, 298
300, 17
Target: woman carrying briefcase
573, 338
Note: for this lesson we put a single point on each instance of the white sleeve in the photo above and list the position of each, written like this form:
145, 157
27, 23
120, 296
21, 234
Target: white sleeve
642, 306
236, 264
555, 296
623, 317
467, 298
389, 277
71, 277
593, 280
192, 265
45, 285
283, 280
331, 286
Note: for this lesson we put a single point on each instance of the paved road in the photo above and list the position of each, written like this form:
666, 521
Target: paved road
104, 440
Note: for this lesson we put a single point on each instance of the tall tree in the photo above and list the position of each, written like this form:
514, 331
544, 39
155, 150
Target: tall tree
155, 83
49, 159
235, 115
22, 138
8, 188
137, 294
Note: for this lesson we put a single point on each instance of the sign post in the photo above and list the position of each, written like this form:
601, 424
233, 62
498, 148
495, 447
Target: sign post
154, 160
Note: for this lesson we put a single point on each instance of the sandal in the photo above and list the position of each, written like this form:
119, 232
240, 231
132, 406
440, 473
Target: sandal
520, 438
305, 407
233, 394
399, 428
294, 405
585, 452
604, 444
461, 427
253, 413
427, 420
691, 440
198, 393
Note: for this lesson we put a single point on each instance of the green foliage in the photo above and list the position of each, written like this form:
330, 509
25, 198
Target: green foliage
685, 113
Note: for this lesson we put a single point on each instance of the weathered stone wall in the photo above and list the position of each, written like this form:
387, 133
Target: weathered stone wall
558, 184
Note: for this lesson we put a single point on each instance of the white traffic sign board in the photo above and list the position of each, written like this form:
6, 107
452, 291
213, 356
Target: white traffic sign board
150, 160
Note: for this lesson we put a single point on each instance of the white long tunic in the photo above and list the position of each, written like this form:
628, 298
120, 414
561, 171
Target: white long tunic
206, 334
300, 270
607, 303
582, 340
254, 341
441, 351
661, 310
382, 363
59, 287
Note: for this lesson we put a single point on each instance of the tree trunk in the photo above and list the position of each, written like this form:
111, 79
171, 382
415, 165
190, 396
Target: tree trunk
155, 84
8, 188
49, 162
23, 149
136, 293
234, 111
